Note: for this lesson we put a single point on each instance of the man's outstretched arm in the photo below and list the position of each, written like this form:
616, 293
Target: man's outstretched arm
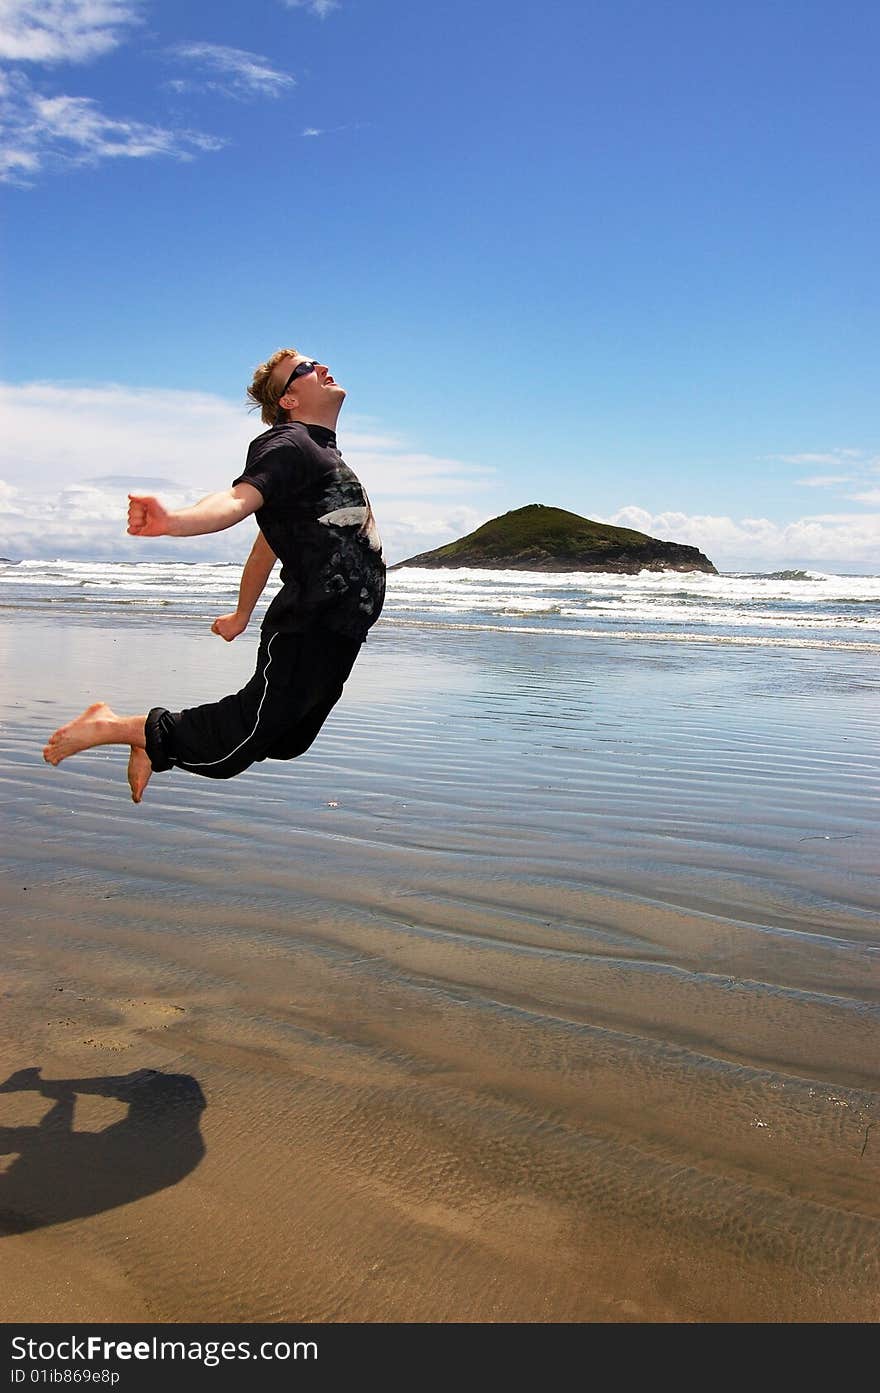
147, 517
257, 570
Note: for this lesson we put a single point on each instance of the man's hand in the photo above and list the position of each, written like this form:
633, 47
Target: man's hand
147, 517
229, 626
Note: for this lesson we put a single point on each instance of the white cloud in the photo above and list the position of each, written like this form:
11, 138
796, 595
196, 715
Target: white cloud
38, 131
869, 496
403, 473
83, 520
321, 8
63, 31
64, 433
408, 529
821, 481
334, 130
836, 456
71, 454
242, 74
840, 538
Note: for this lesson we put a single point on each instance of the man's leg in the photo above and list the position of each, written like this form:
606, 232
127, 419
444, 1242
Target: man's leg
223, 738
329, 664
218, 739
298, 679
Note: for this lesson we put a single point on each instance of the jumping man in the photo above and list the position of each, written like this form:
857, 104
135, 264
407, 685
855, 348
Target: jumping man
314, 515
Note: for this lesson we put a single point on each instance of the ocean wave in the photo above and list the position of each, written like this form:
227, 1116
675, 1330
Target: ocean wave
650, 636
783, 575
804, 606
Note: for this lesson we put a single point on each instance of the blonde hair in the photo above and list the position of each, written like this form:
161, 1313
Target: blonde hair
265, 393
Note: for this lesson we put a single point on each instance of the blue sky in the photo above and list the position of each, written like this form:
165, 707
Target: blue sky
616, 257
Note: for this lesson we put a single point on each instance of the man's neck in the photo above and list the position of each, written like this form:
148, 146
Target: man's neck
327, 419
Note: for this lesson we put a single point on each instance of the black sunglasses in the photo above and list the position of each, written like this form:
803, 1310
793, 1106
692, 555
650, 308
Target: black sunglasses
301, 370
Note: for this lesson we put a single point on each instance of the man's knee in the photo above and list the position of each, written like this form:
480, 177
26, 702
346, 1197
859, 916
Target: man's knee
301, 736
293, 745
291, 748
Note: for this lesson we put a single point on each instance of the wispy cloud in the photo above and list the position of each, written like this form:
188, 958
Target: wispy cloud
63, 31
333, 130
37, 132
238, 73
41, 130
321, 8
854, 471
73, 438
821, 457
824, 481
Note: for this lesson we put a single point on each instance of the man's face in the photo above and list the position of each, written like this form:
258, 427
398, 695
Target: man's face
309, 391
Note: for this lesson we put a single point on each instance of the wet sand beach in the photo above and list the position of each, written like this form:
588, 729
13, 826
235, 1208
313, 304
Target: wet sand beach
544, 988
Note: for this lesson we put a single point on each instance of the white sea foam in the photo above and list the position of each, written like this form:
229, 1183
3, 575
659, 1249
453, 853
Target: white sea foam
776, 586
659, 636
790, 607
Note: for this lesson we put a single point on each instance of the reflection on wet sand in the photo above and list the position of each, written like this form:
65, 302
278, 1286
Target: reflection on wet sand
549, 995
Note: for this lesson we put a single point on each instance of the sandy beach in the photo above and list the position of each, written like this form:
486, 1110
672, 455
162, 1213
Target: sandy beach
544, 988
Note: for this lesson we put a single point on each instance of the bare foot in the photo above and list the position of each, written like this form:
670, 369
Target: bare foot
139, 771
93, 727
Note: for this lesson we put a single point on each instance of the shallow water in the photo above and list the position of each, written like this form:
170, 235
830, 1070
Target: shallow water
544, 987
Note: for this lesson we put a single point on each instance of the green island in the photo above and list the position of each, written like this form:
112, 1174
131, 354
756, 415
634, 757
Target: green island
539, 538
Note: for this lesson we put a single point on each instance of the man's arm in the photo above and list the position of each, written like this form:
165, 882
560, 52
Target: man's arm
147, 517
257, 570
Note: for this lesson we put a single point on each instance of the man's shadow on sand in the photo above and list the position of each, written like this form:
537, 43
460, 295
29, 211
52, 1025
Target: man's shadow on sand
60, 1174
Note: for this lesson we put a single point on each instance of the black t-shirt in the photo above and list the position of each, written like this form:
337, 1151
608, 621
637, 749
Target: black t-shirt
317, 519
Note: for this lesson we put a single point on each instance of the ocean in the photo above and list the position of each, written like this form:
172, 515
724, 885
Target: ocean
780, 609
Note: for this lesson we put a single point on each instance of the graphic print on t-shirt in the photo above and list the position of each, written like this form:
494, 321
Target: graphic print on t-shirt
317, 519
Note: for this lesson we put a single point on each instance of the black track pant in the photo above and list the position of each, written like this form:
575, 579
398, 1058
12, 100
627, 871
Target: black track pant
297, 682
